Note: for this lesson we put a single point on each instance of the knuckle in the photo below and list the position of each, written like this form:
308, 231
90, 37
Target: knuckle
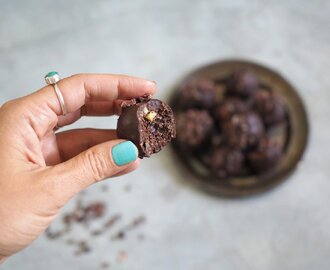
98, 164
78, 77
75, 76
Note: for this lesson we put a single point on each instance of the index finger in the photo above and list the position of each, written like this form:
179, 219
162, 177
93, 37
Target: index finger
82, 88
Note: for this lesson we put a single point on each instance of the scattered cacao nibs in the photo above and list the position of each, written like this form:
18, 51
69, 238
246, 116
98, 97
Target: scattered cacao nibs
112, 221
83, 247
85, 214
135, 223
108, 224
118, 236
53, 234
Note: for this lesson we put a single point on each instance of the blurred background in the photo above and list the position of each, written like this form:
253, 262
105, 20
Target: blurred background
182, 228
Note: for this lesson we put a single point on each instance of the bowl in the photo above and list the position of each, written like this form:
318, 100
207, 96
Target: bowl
293, 137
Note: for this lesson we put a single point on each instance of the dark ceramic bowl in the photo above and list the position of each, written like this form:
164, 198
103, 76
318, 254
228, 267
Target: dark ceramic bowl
293, 136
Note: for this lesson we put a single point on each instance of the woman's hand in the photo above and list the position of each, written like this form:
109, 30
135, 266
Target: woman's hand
40, 170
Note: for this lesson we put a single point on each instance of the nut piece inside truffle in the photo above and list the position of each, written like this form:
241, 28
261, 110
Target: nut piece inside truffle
148, 123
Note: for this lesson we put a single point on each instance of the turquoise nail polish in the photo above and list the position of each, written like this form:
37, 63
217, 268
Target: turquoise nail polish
124, 153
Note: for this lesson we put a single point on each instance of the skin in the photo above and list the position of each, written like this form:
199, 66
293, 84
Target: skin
41, 170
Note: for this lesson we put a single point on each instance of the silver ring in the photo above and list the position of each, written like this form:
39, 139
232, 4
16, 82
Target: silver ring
52, 78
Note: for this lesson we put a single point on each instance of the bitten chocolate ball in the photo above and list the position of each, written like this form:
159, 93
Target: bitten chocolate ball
230, 107
242, 82
266, 156
226, 161
198, 94
148, 123
194, 128
243, 130
270, 106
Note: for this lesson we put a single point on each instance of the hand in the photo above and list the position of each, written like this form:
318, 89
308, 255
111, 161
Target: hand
40, 170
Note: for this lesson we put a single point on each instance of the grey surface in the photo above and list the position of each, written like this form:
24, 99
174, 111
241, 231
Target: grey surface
287, 228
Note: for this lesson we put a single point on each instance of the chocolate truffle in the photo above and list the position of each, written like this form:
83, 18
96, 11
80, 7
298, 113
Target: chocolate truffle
148, 123
243, 130
226, 161
197, 94
230, 107
266, 155
194, 127
270, 106
242, 82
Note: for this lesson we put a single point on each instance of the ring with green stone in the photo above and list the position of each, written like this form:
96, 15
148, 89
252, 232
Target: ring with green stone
52, 78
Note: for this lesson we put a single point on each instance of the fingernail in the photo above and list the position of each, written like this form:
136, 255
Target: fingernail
124, 153
152, 82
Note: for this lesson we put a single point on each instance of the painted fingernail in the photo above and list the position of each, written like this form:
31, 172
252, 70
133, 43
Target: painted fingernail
124, 153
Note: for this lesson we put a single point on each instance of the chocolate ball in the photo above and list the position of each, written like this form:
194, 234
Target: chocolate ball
226, 162
266, 155
194, 128
270, 106
230, 107
197, 93
148, 123
243, 130
242, 82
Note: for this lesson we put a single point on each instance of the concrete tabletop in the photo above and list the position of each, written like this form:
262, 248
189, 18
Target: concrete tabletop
286, 228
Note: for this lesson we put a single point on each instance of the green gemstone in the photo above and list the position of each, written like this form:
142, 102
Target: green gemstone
50, 74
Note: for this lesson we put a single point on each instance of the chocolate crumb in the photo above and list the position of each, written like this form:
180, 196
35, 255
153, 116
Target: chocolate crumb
139, 220
122, 233
112, 221
53, 234
84, 214
118, 236
82, 248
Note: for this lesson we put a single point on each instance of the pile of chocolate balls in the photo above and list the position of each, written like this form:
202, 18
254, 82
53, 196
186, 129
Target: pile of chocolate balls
225, 124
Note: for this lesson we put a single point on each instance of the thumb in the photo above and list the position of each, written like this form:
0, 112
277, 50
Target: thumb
93, 165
